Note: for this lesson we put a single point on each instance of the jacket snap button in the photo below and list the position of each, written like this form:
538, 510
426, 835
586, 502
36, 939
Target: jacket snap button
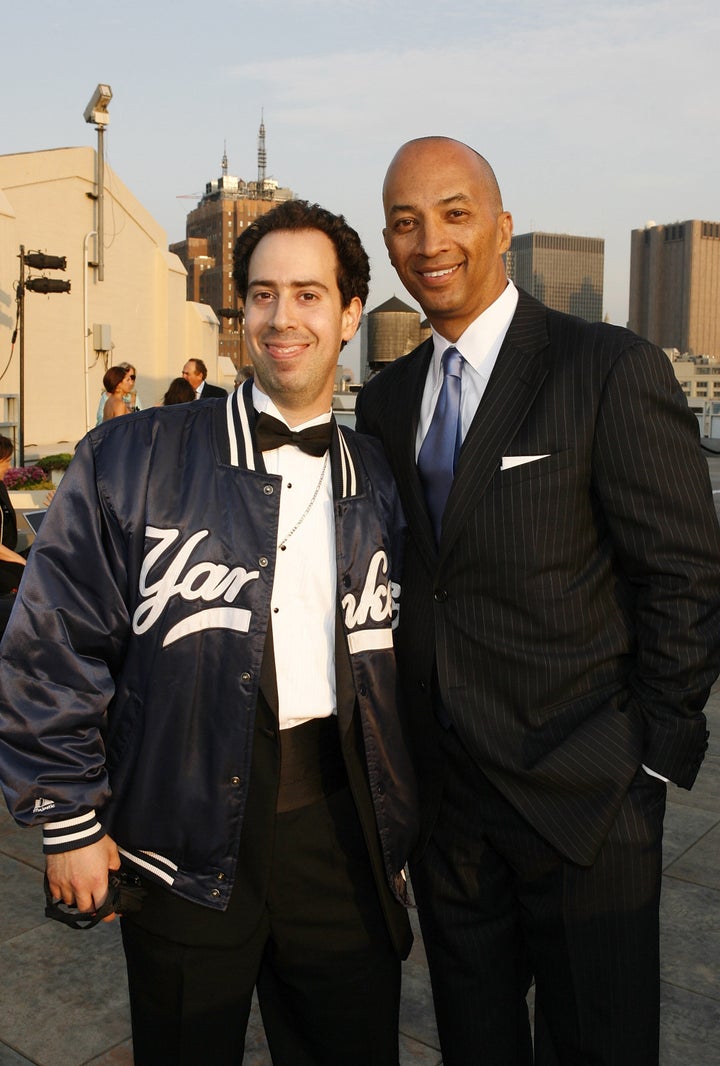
268, 490
262, 561
235, 781
440, 595
221, 876
215, 893
245, 676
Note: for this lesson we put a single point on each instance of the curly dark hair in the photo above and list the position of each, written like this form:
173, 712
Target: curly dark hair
353, 270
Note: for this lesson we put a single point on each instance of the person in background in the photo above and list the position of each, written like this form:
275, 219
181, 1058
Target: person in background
12, 563
559, 632
242, 374
195, 372
130, 398
179, 391
117, 383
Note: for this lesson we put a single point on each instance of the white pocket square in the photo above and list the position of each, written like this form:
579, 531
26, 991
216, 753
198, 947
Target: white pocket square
508, 461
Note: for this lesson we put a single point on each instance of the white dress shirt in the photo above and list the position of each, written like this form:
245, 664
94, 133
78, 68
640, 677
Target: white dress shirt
304, 590
479, 346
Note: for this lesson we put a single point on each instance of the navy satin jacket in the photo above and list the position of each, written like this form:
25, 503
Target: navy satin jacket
131, 665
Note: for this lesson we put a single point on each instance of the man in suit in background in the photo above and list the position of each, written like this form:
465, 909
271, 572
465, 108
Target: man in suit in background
559, 635
195, 372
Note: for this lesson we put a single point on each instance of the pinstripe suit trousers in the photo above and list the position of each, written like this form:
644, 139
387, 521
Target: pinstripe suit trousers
499, 906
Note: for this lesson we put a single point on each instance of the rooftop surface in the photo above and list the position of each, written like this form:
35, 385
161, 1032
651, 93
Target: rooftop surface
64, 994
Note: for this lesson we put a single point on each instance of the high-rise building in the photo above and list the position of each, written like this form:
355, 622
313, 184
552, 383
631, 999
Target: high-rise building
675, 285
563, 271
228, 205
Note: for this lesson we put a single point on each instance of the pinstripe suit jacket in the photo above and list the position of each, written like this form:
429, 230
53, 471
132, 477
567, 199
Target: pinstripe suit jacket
572, 609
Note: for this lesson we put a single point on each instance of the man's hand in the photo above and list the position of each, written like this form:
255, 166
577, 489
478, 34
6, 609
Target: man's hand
80, 878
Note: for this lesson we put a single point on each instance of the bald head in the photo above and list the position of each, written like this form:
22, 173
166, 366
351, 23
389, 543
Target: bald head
439, 151
446, 230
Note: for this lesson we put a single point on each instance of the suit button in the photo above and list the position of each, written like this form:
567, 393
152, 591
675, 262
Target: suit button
422, 686
440, 595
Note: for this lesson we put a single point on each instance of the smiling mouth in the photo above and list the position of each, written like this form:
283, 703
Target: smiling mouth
284, 350
443, 272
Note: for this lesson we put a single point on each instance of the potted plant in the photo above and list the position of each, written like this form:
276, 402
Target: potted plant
55, 465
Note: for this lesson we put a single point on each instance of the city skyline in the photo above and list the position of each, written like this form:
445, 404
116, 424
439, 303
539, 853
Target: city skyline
589, 116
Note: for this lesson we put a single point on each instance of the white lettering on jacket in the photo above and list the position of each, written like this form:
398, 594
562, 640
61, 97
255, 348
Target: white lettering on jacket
204, 581
378, 603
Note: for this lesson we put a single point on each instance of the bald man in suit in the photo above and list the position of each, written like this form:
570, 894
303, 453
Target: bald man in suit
559, 635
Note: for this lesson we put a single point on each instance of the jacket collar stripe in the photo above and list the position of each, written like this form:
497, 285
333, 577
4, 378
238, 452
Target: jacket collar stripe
349, 480
245, 408
232, 400
238, 426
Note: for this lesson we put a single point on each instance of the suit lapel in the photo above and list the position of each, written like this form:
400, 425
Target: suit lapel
514, 383
402, 420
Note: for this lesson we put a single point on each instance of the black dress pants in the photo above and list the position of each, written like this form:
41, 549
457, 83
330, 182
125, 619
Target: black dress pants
498, 907
316, 947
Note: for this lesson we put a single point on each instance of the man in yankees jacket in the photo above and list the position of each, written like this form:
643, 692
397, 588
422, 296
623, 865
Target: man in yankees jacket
198, 683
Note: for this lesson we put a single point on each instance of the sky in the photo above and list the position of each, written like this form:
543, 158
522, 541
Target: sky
597, 117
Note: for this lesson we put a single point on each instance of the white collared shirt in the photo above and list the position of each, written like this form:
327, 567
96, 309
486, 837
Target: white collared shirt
302, 609
479, 346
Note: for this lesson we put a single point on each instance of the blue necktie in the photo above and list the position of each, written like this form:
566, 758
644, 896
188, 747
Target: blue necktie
441, 447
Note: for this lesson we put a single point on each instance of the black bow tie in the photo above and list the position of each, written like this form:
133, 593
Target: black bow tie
272, 433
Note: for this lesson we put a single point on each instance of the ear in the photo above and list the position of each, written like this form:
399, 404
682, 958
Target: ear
386, 238
351, 318
504, 230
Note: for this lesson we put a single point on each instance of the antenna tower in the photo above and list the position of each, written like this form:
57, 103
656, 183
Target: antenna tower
262, 160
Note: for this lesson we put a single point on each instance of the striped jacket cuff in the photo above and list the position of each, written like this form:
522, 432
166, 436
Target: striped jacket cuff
71, 833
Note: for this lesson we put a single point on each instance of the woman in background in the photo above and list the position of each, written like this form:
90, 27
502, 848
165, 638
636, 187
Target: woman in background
118, 382
131, 396
179, 391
